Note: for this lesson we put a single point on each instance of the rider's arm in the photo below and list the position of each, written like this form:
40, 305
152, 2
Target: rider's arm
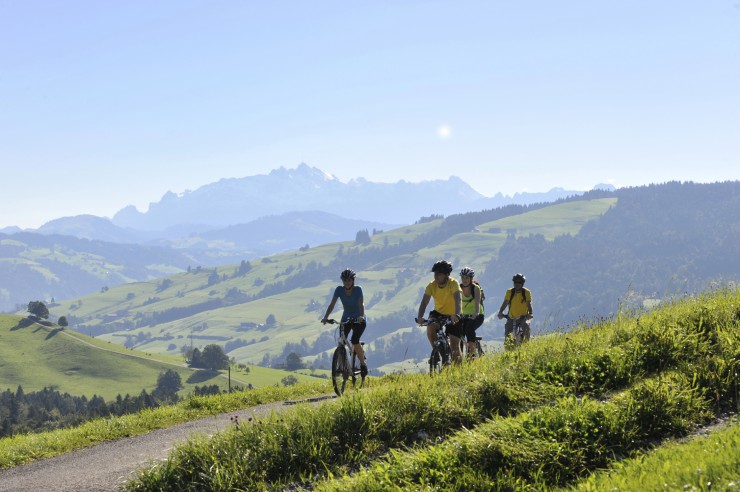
330, 308
423, 307
458, 303
530, 312
503, 306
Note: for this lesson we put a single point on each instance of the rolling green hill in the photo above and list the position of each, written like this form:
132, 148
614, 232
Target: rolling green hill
35, 356
230, 305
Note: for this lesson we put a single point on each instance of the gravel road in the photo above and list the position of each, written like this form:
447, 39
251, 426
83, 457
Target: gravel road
107, 466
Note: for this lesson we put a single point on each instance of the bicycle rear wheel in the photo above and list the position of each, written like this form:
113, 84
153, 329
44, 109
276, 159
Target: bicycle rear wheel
479, 349
339, 370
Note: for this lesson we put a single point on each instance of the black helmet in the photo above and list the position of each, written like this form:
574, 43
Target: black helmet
442, 266
347, 274
518, 278
467, 272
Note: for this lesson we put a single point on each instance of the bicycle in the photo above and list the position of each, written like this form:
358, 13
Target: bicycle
463, 341
517, 331
341, 370
441, 351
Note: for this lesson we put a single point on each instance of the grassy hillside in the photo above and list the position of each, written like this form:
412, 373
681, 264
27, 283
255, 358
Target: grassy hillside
230, 304
581, 410
35, 356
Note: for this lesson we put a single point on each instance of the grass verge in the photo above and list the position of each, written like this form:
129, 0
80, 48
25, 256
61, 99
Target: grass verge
20, 449
545, 415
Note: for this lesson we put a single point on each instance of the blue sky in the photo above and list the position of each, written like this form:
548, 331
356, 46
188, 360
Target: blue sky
105, 104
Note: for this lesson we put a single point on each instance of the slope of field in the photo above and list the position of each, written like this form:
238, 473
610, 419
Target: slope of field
35, 356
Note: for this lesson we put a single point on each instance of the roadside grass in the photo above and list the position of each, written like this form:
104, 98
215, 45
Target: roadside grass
543, 416
710, 462
21, 449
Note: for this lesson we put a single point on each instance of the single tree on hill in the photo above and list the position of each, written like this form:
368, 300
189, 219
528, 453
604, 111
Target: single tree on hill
294, 362
168, 384
38, 309
213, 357
63, 321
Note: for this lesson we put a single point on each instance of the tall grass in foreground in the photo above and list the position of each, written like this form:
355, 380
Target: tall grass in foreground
546, 415
24, 448
704, 463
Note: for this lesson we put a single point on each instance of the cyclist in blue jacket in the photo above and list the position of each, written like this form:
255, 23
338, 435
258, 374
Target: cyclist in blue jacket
354, 308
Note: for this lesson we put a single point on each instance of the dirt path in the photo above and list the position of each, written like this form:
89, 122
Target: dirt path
107, 466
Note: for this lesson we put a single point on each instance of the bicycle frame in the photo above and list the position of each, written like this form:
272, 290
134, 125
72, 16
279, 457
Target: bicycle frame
464, 341
441, 350
517, 329
341, 369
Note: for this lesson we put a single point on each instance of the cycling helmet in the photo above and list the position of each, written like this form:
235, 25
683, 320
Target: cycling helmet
467, 272
347, 274
518, 278
442, 266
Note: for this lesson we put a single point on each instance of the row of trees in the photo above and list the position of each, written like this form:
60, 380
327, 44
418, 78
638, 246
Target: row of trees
48, 409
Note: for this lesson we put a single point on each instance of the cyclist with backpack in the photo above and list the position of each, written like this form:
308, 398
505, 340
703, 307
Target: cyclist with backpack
354, 308
447, 302
519, 301
472, 306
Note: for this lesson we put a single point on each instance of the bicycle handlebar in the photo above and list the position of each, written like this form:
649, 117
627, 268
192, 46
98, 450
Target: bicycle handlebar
348, 322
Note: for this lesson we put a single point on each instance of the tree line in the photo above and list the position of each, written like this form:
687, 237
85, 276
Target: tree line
49, 409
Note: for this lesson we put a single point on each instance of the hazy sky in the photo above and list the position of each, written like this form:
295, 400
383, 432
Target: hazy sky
105, 104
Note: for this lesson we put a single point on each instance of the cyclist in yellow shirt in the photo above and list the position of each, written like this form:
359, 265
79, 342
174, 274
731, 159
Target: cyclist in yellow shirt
446, 293
519, 301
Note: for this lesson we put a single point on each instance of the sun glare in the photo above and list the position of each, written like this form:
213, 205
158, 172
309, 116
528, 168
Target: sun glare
444, 132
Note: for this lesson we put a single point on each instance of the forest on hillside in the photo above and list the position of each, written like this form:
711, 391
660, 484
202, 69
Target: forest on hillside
658, 242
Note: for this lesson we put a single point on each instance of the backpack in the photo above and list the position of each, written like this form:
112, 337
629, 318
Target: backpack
482, 294
524, 293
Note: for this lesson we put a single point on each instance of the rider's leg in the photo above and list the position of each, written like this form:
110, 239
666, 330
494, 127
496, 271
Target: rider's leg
360, 353
432, 333
526, 328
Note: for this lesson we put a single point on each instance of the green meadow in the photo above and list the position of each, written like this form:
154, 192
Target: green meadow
35, 356
286, 285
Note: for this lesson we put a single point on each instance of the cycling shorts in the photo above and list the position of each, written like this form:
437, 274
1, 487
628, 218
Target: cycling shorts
472, 324
356, 330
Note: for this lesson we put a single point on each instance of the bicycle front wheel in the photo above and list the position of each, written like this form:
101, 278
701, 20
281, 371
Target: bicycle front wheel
356, 371
339, 370
435, 361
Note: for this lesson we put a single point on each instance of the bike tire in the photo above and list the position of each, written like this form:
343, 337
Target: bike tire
446, 354
479, 349
356, 372
435, 362
339, 370
518, 334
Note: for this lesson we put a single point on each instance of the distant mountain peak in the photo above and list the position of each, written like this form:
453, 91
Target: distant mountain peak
303, 171
238, 200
